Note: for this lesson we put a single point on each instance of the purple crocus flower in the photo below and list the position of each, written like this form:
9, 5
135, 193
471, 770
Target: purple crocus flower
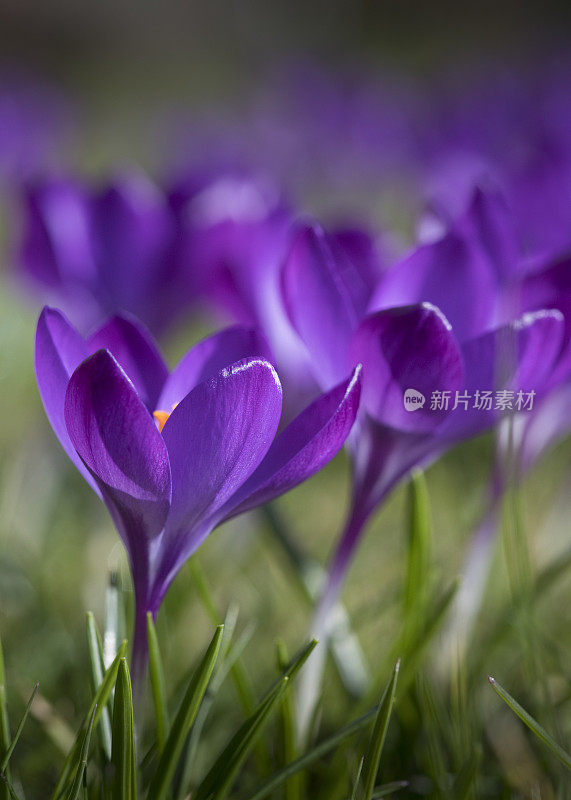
174, 455
432, 325
98, 250
430, 338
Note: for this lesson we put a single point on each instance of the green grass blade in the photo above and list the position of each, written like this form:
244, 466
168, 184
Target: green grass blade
222, 774
123, 745
296, 663
101, 697
389, 788
373, 754
4, 726
357, 784
229, 653
287, 738
95, 648
184, 719
157, 679
82, 766
307, 759
19, 730
532, 724
418, 572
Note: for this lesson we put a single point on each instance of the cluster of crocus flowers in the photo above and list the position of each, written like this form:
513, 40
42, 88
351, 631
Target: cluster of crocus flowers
173, 455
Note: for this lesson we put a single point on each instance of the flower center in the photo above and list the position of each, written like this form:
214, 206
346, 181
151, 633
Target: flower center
161, 417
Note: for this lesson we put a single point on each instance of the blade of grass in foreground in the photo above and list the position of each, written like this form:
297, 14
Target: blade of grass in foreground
222, 774
287, 738
313, 755
123, 746
373, 755
228, 654
182, 724
95, 648
82, 766
100, 699
19, 730
418, 572
157, 678
532, 724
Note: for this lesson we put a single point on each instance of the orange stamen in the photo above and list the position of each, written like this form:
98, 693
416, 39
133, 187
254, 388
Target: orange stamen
161, 417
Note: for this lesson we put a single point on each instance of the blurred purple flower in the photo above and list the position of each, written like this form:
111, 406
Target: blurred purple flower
512, 132
98, 250
35, 124
174, 455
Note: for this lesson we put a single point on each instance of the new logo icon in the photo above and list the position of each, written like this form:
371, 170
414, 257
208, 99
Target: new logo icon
413, 400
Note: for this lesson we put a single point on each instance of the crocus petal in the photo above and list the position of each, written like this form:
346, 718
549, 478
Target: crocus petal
516, 357
216, 437
490, 222
318, 285
407, 353
134, 348
208, 358
550, 287
453, 274
59, 350
56, 247
365, 257
118, 441
303, 448
542, 429
132, 224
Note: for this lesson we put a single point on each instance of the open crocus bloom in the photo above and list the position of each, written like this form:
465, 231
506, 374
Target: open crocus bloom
173, 455
433, 331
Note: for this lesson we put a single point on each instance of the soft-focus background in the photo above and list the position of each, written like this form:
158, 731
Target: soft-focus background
342, 104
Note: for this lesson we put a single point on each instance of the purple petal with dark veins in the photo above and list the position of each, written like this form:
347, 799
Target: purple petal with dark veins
216, 437
303, 448
207, 358
59, 350
136, 351
490, 223
117, 439
453, 274
318, 285
407, 354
